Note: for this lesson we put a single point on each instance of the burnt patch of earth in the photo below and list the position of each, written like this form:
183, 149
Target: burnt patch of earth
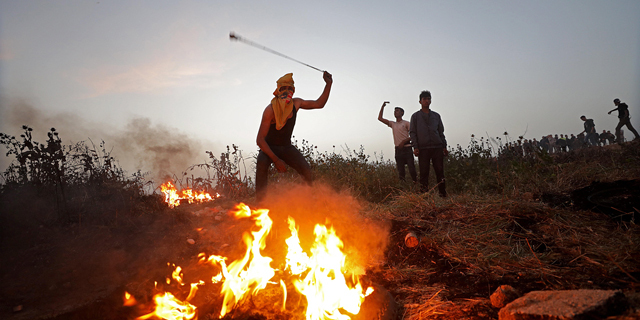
619, 199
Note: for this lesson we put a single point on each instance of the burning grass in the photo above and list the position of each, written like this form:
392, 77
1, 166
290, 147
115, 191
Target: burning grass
309, 269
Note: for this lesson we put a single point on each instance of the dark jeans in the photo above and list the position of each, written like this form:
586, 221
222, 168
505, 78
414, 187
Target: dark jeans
625, 122
425, 158
404, 155
592, 139
291, 156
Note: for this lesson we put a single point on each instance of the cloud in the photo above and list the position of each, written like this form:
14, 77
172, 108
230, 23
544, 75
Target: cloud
182, 59
161, 74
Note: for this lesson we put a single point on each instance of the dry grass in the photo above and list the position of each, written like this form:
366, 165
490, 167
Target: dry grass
493, 240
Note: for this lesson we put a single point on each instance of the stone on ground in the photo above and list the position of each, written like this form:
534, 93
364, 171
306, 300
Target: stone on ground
565, 305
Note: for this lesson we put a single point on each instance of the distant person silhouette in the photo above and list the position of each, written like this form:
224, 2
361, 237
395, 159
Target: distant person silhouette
590, 131
624, 119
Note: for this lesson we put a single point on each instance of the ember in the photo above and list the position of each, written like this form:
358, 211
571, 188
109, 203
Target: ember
129, 300
173, 197
331, 291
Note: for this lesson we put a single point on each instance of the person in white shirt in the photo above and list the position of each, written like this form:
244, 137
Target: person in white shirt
402, 141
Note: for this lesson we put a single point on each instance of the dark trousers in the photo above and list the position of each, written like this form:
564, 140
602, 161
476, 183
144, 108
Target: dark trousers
291, 156
404, 155
592, 138
625, 122
425, 158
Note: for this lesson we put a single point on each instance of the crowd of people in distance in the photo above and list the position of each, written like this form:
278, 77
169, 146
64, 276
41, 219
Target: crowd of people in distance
558, 143
589, 137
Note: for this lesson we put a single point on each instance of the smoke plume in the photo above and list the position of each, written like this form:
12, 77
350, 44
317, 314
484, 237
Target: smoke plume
160, 150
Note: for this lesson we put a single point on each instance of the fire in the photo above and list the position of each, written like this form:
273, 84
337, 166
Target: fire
129, 300
330, 290
170, 308
325, 286
173, 197
297, 260
253, 271
167, 305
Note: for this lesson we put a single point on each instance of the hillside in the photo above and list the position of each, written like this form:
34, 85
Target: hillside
566, 237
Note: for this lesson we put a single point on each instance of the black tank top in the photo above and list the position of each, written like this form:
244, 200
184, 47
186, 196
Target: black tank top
282, 137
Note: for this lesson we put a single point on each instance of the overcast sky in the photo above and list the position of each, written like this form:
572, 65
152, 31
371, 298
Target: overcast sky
103, 69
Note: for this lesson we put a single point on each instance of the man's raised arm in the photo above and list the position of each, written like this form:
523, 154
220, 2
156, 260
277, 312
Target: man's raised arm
380, 118
322, 100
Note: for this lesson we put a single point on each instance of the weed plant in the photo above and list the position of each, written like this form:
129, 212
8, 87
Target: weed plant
79, 178
226, 175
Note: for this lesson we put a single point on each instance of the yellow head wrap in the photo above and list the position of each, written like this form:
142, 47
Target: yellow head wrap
282, 107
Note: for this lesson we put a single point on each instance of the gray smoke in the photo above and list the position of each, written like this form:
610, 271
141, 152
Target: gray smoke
162, 151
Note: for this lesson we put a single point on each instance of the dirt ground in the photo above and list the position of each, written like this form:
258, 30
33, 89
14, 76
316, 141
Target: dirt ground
81, 271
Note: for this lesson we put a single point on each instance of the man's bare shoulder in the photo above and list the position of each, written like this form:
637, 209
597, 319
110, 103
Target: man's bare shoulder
297, 102
268, 112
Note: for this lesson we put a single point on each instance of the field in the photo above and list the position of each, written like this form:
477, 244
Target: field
78, 232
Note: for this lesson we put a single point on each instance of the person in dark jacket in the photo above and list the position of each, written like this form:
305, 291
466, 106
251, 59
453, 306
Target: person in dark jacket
611, 137
276, 127
571, 142
604, 137
590, 131
544, 143
429, 144
624, 120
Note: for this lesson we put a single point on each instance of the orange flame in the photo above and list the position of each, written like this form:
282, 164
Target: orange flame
297, 260
173, 197
325, 285
129, 300
320, 277
170, 308
253, 271
177, 275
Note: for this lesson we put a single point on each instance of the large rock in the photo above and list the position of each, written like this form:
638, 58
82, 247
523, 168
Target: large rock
565, 305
